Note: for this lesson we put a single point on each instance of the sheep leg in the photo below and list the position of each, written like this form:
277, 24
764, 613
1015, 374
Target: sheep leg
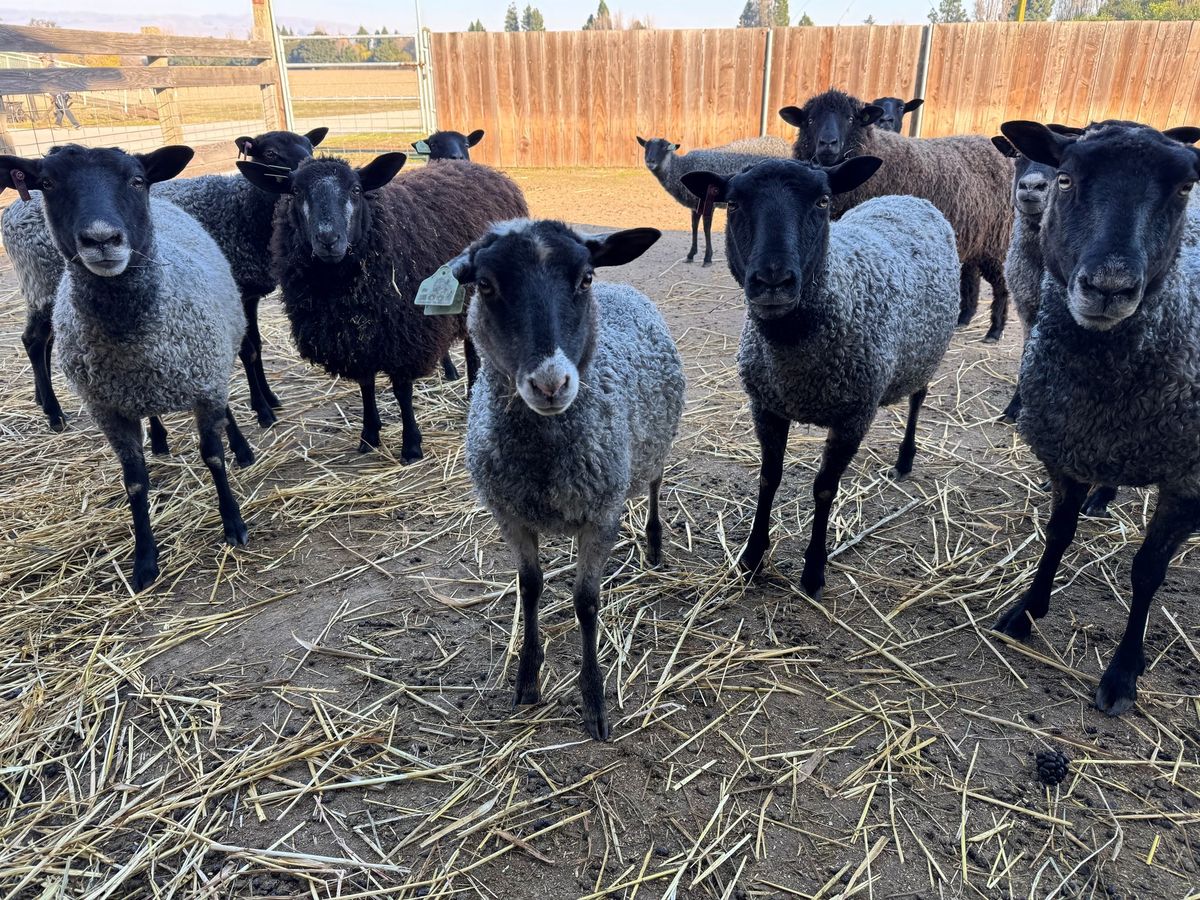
472, 364
968, 293
695, 230
654, 525
710, 204
241, 448
595, 544
250, 353
840, 449
125, 437
993, 271
449, 370
209, 419
772, 431
159, 445
38, 339
369, 439
1096, 505
1174, 519
908, 447
1069, 495
410, 441
524, 544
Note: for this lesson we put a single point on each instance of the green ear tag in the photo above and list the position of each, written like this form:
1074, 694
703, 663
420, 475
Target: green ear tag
421, 147
441, 294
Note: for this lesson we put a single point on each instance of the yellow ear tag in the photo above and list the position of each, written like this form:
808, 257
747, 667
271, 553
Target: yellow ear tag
441, 294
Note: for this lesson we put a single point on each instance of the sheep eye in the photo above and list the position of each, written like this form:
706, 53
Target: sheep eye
823, 202
1187, 188
271, 154
137, 181
586, 281
731, 206
46, 185
356, 190
485, 288
1064, 182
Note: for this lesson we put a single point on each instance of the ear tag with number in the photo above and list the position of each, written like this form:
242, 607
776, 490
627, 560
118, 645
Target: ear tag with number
421, 147
441, 294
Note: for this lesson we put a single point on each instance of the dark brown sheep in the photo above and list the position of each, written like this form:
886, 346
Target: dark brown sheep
963, 176
351, 246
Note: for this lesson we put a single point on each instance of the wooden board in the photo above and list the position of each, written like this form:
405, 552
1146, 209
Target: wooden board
47, 81
29, 39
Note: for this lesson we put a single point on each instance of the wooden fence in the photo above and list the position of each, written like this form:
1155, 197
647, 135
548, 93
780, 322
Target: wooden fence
145, 65
579, 98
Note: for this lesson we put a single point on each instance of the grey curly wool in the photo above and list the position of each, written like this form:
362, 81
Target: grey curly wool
779, 148
554, 473
674, 166
189, 325
888, 300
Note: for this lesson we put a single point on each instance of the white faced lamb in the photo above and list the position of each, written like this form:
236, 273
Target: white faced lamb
147, 314
351, 247
1110, 375
894, 111
841, 318
601, 391
669, 169
237, 216
962, 176
449, 144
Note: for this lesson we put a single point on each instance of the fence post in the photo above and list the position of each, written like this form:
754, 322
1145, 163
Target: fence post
275, 100
170, 116
922, 80
766, 83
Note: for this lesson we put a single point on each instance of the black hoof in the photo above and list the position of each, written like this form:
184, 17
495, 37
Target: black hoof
236, 533
706, 263
964, 318
1015, 623
273, 401
1117, 691
751, 562
410, 455
992, 337
244, 458
266, 417
896, 473
595, 723
145, 573
58, 423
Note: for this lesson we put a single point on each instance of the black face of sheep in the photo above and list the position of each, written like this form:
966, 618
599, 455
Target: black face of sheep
827, 126
281, 148
451, 144
1031, 180
533, 313
97, 201
329, 209
778, 227
1115, 226
657, 150
894, 110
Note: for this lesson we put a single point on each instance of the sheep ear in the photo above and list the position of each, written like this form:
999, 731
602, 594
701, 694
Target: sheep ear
380, 170
1185, 134
1004, 145
622, 246
848, 175
913, 104
792, 115
272, 179
642, 141
474, 137
1037, 142
699, 184
869, 115
244, 145
421, 147
462, 267
1065, 129
11, 170
316, 135
674, 147
165, 163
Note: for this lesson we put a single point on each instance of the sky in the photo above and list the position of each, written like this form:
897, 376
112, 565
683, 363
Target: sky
454, 15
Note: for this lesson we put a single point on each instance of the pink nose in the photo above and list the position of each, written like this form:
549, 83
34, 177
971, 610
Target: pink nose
549, 386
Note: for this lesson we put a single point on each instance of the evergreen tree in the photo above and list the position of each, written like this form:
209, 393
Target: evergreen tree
869, 20
781, 18
477, 25
948, 11
531, 19
805, 19
749, 17
511, 21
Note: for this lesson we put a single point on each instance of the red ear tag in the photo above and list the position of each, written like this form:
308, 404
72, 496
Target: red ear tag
18, 178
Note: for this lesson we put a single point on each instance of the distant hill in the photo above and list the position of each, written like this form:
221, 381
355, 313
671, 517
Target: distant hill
213, 25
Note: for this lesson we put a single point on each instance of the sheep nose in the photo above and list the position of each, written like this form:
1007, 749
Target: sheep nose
326, 236
1110, 283
549, 385
101, 235
772, 278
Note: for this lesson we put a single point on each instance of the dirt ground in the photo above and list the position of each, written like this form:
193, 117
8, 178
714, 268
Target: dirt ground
327, 712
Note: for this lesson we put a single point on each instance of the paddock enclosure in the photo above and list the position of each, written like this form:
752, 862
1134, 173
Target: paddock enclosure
327, 712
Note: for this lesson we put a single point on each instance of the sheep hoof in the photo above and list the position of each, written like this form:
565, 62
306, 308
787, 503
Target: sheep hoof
690, 258
244, 458
706, 263
1015, 623
595, 723
58, 423
266, 417
527, 695
272, 401
965, 317
236, 533
751, 563
1096, 505
896, 474
145, 573
410, 455
366, 445
1118, 690
990, 338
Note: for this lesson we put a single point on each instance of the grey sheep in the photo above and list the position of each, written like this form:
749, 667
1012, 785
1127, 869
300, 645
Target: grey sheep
1110, 373
237, 216
842, 318
577, 403
147, 315
669, 168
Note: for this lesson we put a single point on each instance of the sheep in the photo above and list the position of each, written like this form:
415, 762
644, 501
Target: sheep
449, 144
147, 315
600, 387
235, 215
962, 176
767, 145
841, 319
669, 168
1108, 378
894, 110
350, 249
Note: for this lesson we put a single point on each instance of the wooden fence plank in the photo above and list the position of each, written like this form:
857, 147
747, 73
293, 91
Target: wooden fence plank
47, 81
30, 39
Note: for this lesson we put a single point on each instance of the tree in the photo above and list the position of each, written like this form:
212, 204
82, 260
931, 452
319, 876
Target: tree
948, 11
780, 17
476, 26
805, 19
511, 21
43, 23
1035, 11
600, 20
749, 17
1124, 10
531, 19
869, 20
